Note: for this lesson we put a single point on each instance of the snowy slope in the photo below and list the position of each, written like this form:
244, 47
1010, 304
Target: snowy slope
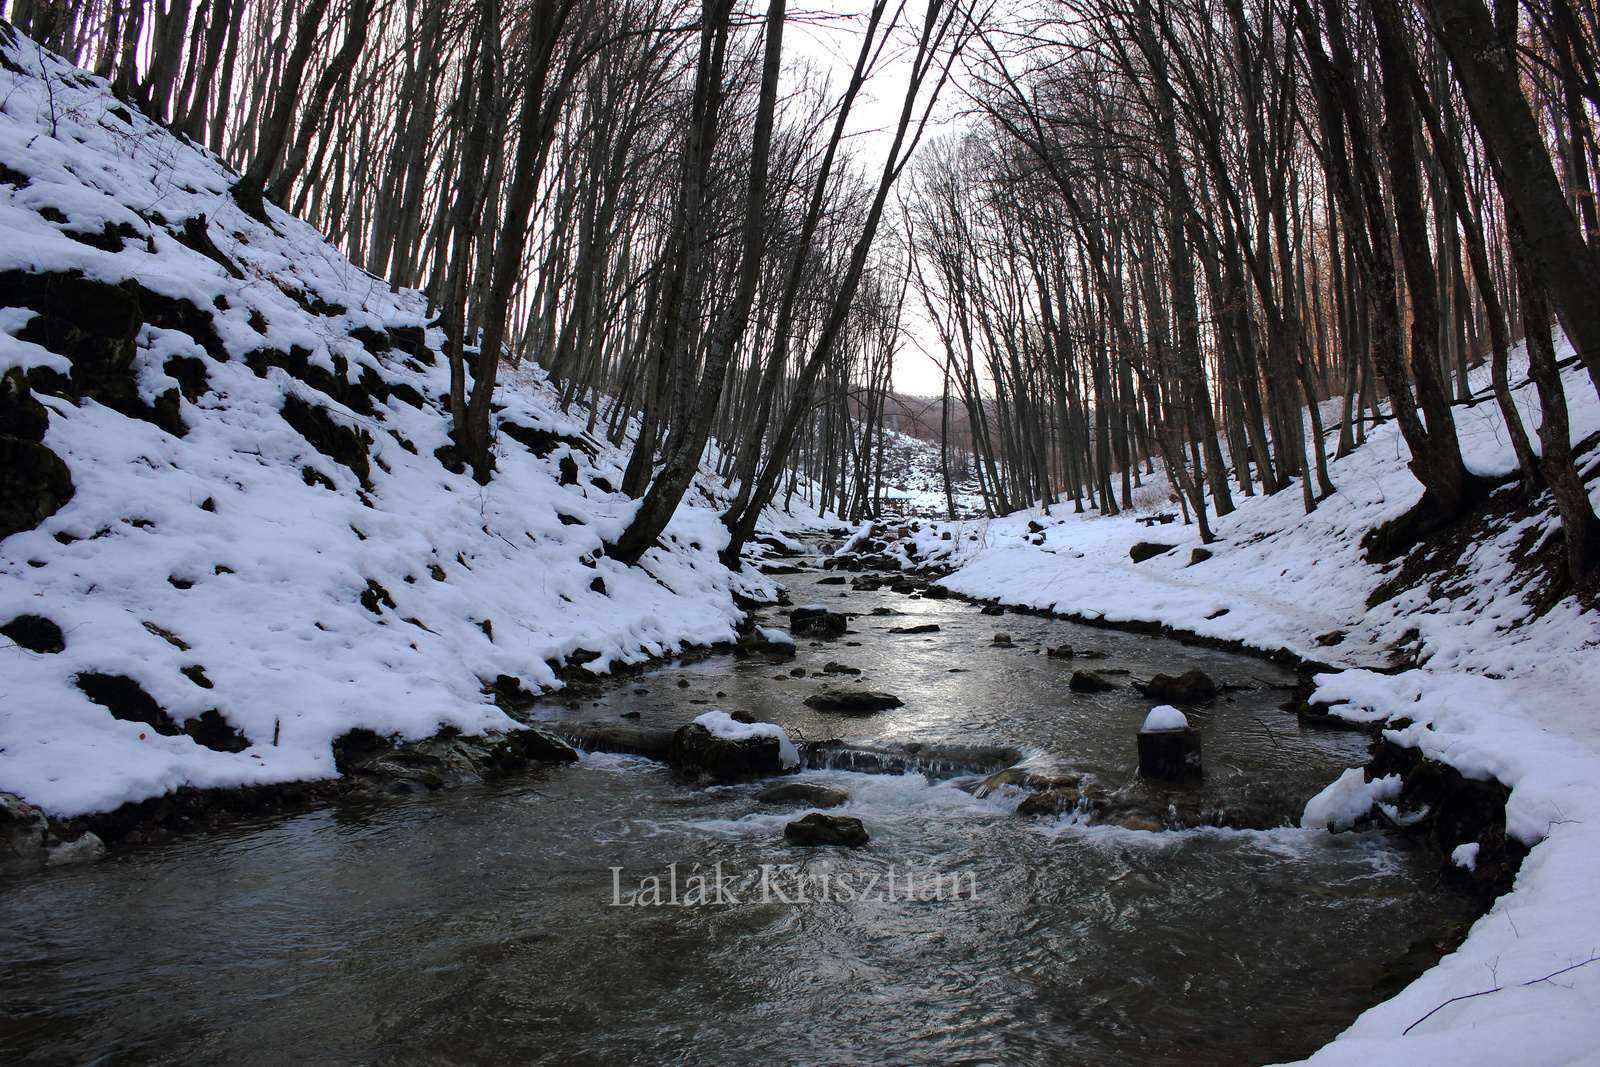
1505, 689
241, 549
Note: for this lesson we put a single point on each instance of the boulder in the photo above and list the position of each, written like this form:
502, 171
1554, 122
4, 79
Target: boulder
758, 643
993, 609
22, 833
1055, 801
85, 849
816, 622
852, 701
1199, 555
820, 829
936, 592
836, 579
807, 794
1089, 682
1001, 640
696, 751
1190, 687
1059, 652
925, 628
1147, 549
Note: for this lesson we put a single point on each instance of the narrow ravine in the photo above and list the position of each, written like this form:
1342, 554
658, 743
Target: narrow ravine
482, 924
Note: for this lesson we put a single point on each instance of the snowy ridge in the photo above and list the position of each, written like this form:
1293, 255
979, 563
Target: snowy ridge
304, 595
1502, 691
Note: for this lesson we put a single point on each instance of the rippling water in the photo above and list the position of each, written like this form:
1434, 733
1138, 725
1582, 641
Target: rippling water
478, 926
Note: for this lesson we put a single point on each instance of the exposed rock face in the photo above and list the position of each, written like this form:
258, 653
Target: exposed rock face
1190, 687
696, 751
820, 829
35, 633
34, 482
853, 702
816, 622
1147, 550
808, 794
126, 699
446, 759
1088, 682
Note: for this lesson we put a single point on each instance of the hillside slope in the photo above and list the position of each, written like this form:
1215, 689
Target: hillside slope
258, 549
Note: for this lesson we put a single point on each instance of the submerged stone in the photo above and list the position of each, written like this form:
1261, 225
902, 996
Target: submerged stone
852, 702
1190, 687
1088, 682
810, 794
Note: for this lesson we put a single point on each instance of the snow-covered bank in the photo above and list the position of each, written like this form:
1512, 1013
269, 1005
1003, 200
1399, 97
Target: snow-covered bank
259, 526
1502, 687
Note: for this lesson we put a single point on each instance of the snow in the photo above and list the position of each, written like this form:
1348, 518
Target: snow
213, 551
1349, 798
1465, 855
723, 725
1498, 689
775, 636
1165, 717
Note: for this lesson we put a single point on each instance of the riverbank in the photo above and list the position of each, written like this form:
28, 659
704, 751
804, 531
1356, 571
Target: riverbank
1471, 649
234, 525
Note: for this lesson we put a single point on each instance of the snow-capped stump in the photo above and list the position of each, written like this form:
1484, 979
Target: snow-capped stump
815, 829
1190, 687
1148, 550
35, 633
717, 748
1169, 748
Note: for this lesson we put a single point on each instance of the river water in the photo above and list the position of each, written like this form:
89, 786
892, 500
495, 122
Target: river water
482, 926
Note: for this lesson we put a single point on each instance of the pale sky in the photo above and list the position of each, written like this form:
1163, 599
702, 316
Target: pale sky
828, 33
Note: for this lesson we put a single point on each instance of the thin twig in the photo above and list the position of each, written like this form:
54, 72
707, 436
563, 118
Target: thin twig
1496, 989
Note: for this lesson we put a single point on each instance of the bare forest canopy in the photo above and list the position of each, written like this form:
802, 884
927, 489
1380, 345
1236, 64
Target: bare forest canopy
1166, 228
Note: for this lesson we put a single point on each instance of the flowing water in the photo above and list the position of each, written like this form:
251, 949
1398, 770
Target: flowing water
482, 926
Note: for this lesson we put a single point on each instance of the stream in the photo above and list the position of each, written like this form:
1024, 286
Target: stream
483, 926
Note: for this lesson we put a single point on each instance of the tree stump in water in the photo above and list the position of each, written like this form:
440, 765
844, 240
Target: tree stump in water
1170, 755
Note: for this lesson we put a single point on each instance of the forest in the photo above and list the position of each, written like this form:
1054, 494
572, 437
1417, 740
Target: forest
1154, 229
